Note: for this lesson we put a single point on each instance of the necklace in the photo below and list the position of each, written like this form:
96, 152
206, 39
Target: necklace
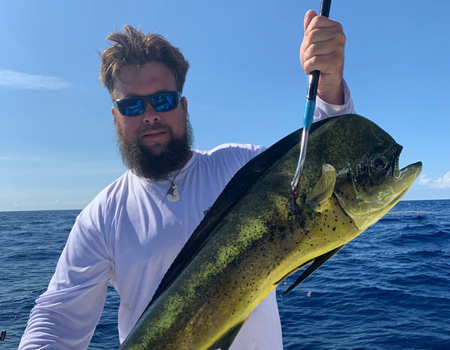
172, 194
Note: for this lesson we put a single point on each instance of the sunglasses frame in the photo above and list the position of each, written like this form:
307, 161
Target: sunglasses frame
147, 99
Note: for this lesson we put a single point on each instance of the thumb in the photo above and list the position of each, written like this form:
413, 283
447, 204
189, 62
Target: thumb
308, 18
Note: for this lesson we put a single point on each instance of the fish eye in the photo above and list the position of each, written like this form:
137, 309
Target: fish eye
379, 162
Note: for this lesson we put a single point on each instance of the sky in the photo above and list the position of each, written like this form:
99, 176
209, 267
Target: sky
57, 140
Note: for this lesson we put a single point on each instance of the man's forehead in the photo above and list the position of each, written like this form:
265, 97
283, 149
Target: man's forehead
154, 76
129, 74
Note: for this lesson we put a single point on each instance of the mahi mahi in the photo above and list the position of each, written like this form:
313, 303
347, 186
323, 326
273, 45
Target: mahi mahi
256, 234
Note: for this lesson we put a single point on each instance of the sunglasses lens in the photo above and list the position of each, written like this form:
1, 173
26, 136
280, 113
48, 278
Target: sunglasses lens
131, 106
164, 102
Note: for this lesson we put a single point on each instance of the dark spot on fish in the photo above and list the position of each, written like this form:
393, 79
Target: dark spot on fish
334, 228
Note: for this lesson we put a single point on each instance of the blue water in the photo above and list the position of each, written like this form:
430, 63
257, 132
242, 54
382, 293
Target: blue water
387, 289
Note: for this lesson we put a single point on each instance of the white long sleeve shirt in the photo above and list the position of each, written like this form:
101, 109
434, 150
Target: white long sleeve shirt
129, 235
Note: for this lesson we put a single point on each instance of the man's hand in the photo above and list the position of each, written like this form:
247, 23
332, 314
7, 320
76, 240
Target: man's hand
323, 49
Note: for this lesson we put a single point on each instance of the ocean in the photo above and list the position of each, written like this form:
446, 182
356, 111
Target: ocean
387, 289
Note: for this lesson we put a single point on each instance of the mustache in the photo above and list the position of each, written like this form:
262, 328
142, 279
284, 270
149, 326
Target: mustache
154, 127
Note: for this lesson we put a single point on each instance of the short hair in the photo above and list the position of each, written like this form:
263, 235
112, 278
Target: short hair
134, 48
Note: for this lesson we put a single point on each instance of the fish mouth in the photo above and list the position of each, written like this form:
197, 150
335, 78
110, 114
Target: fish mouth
409, 174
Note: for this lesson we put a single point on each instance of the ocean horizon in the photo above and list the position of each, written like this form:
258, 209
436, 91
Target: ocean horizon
387, 289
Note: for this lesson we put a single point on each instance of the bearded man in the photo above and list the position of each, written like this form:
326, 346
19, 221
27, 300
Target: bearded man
132, 231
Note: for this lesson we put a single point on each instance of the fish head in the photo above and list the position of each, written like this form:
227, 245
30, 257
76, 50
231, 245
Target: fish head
369, 181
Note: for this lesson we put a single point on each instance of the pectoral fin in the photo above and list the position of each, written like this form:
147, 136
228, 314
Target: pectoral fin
318, 262
225, 342
323, 189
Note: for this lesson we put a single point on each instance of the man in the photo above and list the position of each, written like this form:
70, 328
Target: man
133, 230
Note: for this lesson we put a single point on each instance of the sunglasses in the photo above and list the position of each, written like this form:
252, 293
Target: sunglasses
161, 102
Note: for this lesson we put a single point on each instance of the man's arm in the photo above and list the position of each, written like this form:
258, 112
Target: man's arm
65, 316
326, 110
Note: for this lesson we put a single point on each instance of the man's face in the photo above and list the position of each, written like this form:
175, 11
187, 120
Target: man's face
153, 143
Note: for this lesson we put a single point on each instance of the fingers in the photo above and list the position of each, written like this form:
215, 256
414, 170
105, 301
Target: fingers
323, 49
323, 45
308, 18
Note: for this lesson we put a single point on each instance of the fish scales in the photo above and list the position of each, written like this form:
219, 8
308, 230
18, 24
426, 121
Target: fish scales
256, 234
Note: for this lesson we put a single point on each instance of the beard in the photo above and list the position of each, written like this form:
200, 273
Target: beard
147, 164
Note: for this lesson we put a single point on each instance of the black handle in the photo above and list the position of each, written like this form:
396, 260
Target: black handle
325, 8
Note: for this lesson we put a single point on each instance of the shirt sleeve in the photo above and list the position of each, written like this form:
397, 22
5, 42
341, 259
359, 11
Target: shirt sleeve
65, 316
325, 110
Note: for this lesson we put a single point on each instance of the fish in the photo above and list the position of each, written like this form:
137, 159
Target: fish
257, 233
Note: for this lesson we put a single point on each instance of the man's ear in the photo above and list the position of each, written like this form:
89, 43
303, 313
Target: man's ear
184, 103
114, 112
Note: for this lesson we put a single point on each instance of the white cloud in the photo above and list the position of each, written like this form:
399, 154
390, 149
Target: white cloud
19, 80
440, 183
425, 180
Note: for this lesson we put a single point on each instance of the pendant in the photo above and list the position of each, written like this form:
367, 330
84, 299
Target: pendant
172, 194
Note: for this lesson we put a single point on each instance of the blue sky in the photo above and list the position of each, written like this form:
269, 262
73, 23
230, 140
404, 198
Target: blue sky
57, 141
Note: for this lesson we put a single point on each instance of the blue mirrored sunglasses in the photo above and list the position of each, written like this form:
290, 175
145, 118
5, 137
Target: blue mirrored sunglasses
161, 102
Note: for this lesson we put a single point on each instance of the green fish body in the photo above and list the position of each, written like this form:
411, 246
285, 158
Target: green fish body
256, 234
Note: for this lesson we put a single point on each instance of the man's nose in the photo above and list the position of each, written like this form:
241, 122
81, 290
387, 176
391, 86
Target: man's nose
150, 115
